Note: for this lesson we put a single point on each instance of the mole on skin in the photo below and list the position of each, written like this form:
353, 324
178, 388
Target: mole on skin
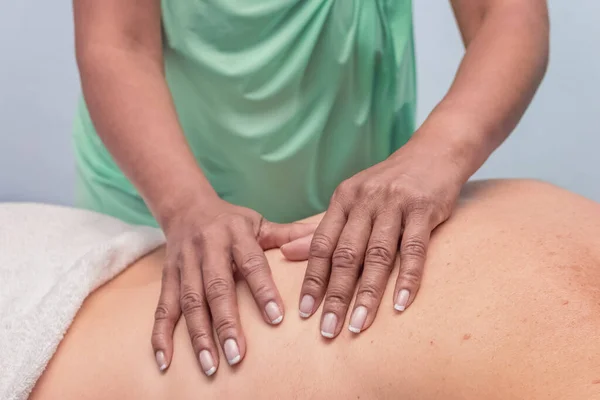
466, 336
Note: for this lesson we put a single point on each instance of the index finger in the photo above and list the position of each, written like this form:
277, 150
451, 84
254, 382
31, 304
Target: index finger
252, 263
318, 270
413, 250
166, 315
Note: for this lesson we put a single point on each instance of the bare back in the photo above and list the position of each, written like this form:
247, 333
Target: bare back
509, 308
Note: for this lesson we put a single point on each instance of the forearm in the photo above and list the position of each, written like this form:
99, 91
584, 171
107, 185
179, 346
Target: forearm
133, 112
506, 58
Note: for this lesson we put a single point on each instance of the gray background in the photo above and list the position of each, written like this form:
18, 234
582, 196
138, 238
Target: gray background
556, 141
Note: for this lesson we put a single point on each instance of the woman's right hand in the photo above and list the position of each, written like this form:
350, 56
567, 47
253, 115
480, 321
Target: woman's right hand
208, 241
120, 57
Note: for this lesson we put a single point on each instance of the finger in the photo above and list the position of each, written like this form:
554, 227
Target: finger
166, 316
317, 272
219, 287
346, 264
297, 250
195, 309
413, 249
252, 263
379, 262
272, 235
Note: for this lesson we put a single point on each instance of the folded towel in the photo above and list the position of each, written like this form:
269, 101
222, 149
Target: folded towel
51, 259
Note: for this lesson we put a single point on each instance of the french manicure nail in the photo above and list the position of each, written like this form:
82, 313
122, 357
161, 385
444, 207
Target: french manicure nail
207, 363
358, 319
232, 351
402, 300
306, 306
160, 360
328, 325
273, 312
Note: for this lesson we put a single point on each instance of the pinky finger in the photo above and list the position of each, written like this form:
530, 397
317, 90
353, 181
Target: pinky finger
413, 250
166, 316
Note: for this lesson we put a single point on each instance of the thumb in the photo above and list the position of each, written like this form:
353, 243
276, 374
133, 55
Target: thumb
274, 235
297, 250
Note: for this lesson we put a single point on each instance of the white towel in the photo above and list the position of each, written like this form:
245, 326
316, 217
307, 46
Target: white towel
51, 259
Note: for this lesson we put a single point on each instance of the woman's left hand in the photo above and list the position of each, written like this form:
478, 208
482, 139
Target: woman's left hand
405, 196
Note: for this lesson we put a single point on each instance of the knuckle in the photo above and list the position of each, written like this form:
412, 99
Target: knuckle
158, 339
396, 189
345, 187
420, 203
200, 337
411, 276
344, 191
252, 264
191, 301
413, 247
439, 214
379, 255
314, 281
225, 326
345, 257
320, 246
369, 292
255, 270
338, 297
371, 189
217, 289
234, 221
162, 313
200, 237
263, 291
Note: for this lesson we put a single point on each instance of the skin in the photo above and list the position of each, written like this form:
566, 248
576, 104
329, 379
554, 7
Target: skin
404, 198
119, 53
508, 309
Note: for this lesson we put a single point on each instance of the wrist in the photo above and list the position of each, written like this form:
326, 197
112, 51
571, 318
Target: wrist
458, 139
174, 205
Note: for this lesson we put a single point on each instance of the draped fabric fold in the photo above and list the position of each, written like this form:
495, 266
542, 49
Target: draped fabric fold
280, 100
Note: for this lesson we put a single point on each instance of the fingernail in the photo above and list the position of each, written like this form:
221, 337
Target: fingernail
328, 325
273, 312
207, 363
402, 300
160, 360
358, 319
306, 306
232, 351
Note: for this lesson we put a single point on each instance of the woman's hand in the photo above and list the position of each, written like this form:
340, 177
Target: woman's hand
207, 242
406, 197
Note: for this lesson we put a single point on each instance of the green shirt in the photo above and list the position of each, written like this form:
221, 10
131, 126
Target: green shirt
280, 100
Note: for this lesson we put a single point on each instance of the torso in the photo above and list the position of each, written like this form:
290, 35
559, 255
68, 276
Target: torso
509, 308
281, 100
